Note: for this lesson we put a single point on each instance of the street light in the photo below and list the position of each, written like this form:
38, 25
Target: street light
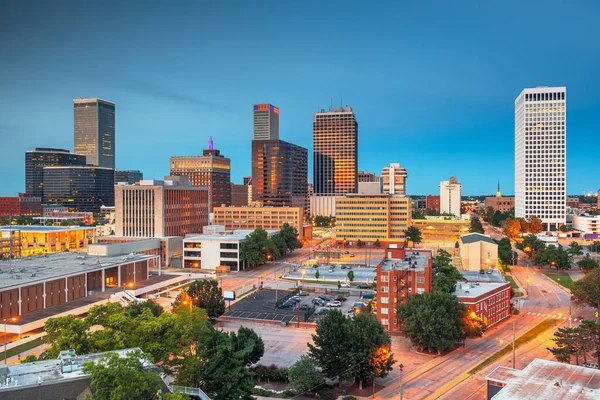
13, 319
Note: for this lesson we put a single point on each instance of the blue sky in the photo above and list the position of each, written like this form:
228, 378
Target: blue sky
432, 83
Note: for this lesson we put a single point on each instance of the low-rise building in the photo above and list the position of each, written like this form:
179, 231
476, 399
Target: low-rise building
402, 273
257, 216
589, 224
432, 202
489, 301
500, 203
216, 246
57, 217
442, 229
35, 239
22, 205
544, 379
169, 248
478, 252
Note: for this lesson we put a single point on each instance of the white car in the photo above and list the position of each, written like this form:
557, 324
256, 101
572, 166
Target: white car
345, 285
333, 303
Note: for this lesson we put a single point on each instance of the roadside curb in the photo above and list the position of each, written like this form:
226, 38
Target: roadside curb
556, 283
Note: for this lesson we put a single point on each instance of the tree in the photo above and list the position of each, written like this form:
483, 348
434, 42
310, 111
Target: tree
445, 274
249, 344
512, 229
535, 225
587, 263
586, 291
317, 274
359, 243
566, 344
175, 396
350, 276
556, 257
136, 309
28, 359
208, 295
376, 243
256, 247
564, 229
433, 321
339, 284
456, 246
280, 244
128, 378
533, 248
67, 333
505, 251
575, 249
290, 236
476, 226
305, 375
474, 326
417, 215
413, 234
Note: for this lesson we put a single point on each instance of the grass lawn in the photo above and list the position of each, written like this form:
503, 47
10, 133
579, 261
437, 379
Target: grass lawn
521, 340
512, 282
21, 348
563, 279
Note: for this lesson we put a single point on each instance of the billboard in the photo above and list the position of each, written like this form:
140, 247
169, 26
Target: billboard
229, 295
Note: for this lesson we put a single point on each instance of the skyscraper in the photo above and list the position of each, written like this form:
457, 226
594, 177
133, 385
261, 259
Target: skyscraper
266, 122
128, 176
94, 131
540, 155
394, 179
36, 160
335, 146
79, 188
450, 196
211, 170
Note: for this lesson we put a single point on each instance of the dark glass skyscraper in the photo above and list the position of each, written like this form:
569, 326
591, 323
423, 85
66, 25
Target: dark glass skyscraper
80, 188
94, 131
36, 160
128, 176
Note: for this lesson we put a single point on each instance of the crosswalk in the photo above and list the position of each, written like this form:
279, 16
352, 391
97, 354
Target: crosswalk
547, 315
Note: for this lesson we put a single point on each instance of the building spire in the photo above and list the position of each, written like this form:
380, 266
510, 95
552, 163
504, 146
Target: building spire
498, 192
210, 143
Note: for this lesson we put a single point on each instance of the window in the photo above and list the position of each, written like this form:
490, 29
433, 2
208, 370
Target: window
420, 290
420, 279
385, 300
384, 289
384, 310
384, 321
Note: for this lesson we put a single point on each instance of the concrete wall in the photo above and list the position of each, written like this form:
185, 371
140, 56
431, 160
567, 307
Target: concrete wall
474, 256
322, 206
114, 249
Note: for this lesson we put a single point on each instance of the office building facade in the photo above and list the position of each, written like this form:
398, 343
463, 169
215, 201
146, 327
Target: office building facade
128, 176
279, 173
394, 179
94, 131
36, 160
240, 195
266, 122
79, 188
335, 147
22, 205
450, 196
160, 208
541, 155
268, 218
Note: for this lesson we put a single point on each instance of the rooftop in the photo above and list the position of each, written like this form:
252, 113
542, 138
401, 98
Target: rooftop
544, 379
476, 237
476, 289
414, 260
475, 276
24, 271
68, 365
227, 235
44, 229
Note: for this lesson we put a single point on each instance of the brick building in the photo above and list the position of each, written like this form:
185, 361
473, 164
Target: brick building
23, 205
500, 203
402, 273
488, 300
432, 203
268, 218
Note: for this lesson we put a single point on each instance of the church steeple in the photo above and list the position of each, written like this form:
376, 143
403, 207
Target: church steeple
498, 192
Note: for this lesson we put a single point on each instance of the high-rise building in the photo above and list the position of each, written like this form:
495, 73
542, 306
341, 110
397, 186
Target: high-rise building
240, 195
79, 188
94, 131
247, 180
335, 147
279, 173
36, 160
266, 122
128, 176
541, 155
368, 177
211, 170
394, 179
450, 196
160, 208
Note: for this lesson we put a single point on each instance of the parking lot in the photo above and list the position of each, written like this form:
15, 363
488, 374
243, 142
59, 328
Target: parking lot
260, 305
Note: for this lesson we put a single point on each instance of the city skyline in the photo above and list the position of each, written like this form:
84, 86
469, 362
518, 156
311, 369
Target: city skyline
460, 117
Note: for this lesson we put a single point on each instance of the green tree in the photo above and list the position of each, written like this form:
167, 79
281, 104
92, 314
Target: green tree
533, 248
416, 214
376, 243
595, 246
248, 344
28, 359
359, 243
587, 263
99, 314
586, 291
176, 396
317, 274
123, 378
67, 333
433, 321
350, 275
445, 274
413, 234
136, 309
256, 247
280, 244
456, 245
476, 226
339, 284
564, 229
575, 249
290, 236
208, 295
305, 376
556, 257
505, 251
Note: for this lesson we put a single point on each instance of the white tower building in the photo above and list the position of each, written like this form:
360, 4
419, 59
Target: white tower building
450, 196
540, 155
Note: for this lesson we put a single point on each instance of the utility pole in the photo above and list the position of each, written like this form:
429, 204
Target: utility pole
513, 344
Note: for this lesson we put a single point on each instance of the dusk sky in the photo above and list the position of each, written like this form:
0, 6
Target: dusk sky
432, 83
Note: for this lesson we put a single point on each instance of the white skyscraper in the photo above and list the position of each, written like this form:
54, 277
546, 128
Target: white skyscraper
450, 196
540, 155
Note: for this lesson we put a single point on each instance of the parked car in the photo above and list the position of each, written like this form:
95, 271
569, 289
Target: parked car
481, 271
301, 293
590, 364
305, 307
330, 269
326, 297
287, 304
349, 267
363, 286
340, 299
346, 252
352, 255
295, 298
346, 285
318, 302
321, 310
343, 267
333, 303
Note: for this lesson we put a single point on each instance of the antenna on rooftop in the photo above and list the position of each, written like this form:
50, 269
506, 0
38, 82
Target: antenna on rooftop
210, 143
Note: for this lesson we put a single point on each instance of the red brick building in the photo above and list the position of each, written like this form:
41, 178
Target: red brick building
488, 300
432, 203
22, 205
401, 274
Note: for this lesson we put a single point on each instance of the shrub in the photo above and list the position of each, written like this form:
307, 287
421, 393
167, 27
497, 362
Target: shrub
326, 395
349, 398
270, 373
288, 394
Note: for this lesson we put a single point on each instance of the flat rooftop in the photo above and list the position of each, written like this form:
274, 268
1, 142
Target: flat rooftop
476, 289
545, 379
227, 235
476, 276
44, 229
28, 270
414, 260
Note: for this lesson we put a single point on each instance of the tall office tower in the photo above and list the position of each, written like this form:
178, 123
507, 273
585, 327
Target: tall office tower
160, 208
335, 147
240, 195
94, 123
128, 176
394, 179
80, 188
279, 173
211, 170
247, 180
266, 122
450, 196
36, 160
540, 155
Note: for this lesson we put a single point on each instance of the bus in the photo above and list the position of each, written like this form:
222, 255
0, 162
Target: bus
312, 263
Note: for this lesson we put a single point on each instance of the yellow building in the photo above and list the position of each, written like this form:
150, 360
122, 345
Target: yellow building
372, 217
31, 240
478, 252
442, 230
268, 218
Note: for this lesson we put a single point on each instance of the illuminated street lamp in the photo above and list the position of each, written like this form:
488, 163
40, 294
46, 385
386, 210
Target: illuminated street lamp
5, 320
